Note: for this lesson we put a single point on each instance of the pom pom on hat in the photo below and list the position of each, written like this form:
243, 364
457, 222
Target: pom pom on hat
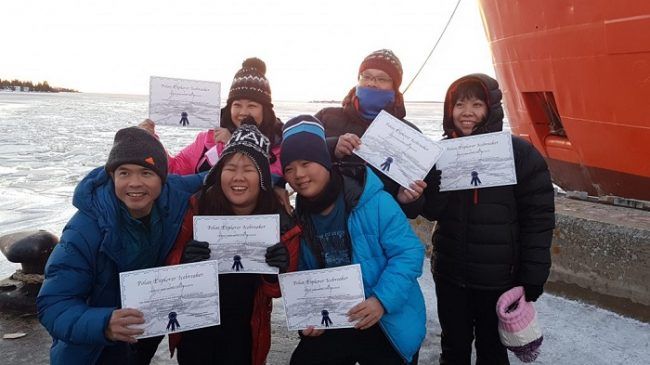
518, 328
255, 63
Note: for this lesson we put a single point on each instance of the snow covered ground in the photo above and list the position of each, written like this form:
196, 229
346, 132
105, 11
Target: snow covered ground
574, 332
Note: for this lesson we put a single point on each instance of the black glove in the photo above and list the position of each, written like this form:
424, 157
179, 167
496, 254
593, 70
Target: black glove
195, 251
433, 179
533, 292
278, 256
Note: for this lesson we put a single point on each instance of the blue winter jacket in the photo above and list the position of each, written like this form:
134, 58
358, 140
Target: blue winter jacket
390, 255
81, 287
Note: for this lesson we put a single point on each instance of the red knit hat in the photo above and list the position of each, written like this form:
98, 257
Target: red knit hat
385, 60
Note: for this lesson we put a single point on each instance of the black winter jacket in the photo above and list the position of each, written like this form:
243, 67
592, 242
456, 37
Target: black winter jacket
497, 237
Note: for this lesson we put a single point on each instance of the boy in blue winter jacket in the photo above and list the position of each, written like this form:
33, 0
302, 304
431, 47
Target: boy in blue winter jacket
129, 214
347, 218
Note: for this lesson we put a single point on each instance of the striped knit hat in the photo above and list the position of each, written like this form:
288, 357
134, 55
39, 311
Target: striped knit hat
303, 138
249, 141
250, 83
385, 60
518, 326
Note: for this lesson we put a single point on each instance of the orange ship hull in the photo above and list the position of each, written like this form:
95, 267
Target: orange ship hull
576, 82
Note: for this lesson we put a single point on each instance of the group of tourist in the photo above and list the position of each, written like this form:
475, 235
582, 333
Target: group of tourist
137, 210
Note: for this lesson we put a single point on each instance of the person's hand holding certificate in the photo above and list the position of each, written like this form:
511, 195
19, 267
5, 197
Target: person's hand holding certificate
321, 298
173, 298
239, 242
397, 150
475, 162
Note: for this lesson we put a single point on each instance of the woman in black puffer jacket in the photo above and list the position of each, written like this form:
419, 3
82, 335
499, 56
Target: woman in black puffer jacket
487, 240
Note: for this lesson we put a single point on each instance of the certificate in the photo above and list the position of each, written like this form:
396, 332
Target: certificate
184, 103
478, 161
239, 242
321, 298
173, 298
397, 150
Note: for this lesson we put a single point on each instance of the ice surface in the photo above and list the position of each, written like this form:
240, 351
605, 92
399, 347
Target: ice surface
48, 142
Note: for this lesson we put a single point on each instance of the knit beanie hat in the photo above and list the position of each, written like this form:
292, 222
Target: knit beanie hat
250, 83
303, 138
385, 60
518, 328
135, 145
249, 141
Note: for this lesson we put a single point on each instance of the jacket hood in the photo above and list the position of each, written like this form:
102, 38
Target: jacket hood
95, 197
359, 184
397, 109
494, 119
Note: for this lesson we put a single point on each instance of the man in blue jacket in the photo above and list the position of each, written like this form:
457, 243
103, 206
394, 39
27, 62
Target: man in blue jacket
129, 214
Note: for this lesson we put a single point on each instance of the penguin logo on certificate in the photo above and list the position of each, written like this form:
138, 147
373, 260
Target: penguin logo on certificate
184, 121
385, 166
326, 321
173, 322
236, 263
475, 180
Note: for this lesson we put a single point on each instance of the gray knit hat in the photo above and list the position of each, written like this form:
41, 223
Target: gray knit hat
134, 145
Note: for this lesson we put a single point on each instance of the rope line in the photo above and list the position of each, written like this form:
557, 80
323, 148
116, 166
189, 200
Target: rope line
434, 47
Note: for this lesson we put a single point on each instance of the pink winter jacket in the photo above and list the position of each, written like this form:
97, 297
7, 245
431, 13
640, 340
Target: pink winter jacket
192, 156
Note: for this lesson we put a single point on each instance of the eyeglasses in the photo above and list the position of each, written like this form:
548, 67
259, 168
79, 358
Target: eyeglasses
366, 78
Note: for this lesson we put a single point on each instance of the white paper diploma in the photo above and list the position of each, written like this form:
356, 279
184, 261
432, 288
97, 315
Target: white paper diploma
321, 298
397, 150
173, 298
479, 161
184, 103
239, 242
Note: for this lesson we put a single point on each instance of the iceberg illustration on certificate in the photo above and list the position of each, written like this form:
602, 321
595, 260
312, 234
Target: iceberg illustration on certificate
321, 298
239, 242
184, 103
173, 298
397, 150
475, 162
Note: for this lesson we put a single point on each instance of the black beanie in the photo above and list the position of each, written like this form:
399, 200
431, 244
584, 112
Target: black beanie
303, 138
250, 83
249, 141
134, 145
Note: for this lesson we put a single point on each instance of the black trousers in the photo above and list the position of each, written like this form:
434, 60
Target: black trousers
139, 353
465, 315
145, 349
227, 344
347, 347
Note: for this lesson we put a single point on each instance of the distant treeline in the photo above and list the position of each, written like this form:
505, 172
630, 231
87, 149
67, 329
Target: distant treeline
41, 86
